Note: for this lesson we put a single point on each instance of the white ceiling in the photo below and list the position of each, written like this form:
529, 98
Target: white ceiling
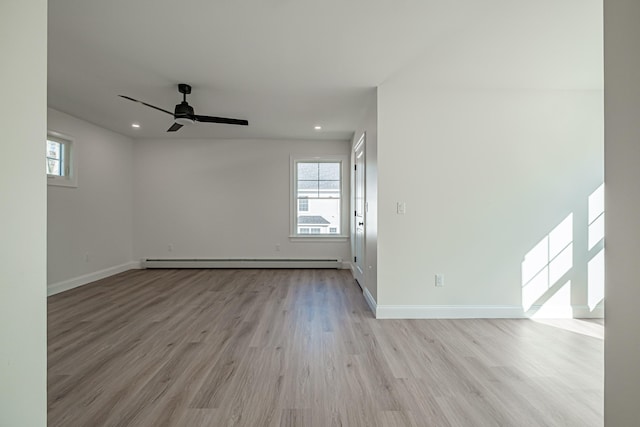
284, 65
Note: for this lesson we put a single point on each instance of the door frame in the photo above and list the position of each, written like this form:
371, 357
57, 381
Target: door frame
359, 265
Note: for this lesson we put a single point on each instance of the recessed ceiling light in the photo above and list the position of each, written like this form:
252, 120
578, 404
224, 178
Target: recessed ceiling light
317, 127
135, 125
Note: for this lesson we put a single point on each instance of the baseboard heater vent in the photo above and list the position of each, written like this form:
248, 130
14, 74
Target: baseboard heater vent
241, 263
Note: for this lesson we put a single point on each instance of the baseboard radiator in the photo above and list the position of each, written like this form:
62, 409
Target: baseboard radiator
241, 263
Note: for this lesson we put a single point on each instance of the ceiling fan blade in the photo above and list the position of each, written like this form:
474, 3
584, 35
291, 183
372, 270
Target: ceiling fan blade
144, 103
174, 127
210, 119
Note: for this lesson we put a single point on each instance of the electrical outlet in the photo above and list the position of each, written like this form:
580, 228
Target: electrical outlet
278, 247
439, 280
86, 257
170, 247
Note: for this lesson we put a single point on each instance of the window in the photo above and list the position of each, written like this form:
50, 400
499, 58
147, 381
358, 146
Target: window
55, 158
59, 160
317, 193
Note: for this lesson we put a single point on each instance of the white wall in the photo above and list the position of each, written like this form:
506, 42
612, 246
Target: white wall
90, 232
489, 158
221, 199
622, 175
23, 209
369, 126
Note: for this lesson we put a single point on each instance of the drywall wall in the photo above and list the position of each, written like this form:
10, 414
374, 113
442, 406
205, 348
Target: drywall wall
622, 176
222, 199
90, 233
369, 126
23, 210
496, 165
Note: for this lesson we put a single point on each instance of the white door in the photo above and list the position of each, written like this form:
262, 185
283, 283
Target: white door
359, 211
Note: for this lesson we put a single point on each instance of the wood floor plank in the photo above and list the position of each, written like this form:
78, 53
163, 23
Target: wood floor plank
301, 348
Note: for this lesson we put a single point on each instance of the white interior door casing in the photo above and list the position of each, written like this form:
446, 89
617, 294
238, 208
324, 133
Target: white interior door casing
359, 222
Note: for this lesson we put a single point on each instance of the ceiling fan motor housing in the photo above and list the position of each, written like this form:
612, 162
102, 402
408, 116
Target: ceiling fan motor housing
184, 110
184, 113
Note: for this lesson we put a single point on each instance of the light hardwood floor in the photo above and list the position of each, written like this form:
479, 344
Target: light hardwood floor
301, 348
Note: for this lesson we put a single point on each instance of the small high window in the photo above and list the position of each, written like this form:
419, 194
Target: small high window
59, 160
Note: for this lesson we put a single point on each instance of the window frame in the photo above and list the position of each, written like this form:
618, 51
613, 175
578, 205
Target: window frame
343, 200
67, 143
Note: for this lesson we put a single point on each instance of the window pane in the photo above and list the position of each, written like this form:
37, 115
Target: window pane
53, 150
307, 171
329, 185
303, 205
308, 185
53, 167
324, 213
329, 171
308, 189
330, 189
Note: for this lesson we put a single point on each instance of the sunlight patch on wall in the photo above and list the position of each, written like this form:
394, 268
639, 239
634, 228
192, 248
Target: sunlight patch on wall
548, 261
595, 267
596, 217
561, 250
595, 280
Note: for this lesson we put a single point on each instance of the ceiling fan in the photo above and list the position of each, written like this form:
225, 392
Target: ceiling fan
184, 113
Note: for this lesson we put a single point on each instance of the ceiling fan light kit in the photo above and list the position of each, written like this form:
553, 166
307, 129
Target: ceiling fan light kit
184, 121
184, 114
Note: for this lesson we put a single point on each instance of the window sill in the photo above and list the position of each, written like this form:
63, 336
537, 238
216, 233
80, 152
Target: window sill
318, 238
61, 181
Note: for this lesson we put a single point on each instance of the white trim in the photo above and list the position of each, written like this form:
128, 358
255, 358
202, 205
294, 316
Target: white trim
346, 265
351, 267
318, 238
56, 288
448, 311
584, 312
352, 221
565, 312
242, 263
371, 302
483, 312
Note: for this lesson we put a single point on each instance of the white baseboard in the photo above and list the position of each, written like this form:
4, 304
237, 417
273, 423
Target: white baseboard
559, 312
448, 311
584, 312
242, 263
371, 302
56, 288
481, 312
350, 266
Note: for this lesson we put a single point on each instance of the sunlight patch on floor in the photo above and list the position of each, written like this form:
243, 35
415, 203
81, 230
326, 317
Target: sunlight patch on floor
592, 328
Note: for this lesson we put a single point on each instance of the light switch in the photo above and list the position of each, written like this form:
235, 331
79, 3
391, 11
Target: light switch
401, 208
